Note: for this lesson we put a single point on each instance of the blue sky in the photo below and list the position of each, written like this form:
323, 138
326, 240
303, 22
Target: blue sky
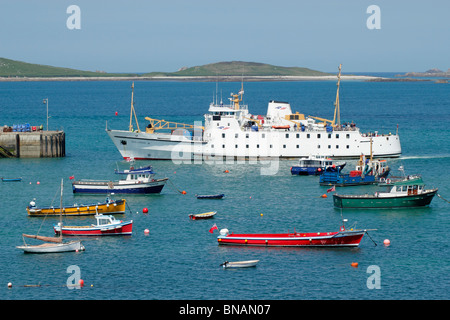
144, 36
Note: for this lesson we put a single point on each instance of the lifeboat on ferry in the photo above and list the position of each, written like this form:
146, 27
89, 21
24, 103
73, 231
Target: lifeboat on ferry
281, 127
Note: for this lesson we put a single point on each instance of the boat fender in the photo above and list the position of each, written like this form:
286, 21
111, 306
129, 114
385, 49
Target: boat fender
224, 232
383, 180
388, 180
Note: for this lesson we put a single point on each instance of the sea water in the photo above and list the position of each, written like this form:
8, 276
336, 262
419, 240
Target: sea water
180, 259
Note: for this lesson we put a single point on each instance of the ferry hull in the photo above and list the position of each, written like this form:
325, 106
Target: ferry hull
326, 239
157, 146
372, 201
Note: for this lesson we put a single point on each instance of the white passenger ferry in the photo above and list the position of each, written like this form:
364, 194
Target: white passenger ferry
230, 131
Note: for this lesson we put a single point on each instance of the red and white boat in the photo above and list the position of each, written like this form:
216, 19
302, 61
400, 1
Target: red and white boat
341, 238
106, 225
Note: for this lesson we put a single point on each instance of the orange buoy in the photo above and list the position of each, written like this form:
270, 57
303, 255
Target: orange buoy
183, 192
324, 196
354, 264
226, 171
145, 210
386, 242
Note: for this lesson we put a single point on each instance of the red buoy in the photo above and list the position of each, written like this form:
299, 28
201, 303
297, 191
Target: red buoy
145, 210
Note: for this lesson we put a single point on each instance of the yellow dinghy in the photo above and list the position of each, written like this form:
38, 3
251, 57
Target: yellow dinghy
110, 206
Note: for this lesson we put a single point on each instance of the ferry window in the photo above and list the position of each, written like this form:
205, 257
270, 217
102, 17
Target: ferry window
287, 135
405, 188
284, 146
236, 146
271, 146
223, 135
257, 146
212, 146
298, 146
318, 136
297, 135
246, 135
337, 146
308, 135
347, 135
223, 146
318, 146
263, 135
399, 188
246, 146
329, 136
348, 147
236, 135
387, 138
329, 146
337, 135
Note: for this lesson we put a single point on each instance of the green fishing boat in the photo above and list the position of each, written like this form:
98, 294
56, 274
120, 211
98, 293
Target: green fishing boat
407, 192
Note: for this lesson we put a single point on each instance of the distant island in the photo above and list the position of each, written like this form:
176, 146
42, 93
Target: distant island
429, 73
12, 70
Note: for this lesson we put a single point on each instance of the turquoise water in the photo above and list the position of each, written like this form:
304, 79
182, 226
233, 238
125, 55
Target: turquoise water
180, 259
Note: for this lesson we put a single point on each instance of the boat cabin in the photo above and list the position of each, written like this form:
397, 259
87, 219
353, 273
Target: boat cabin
106, 220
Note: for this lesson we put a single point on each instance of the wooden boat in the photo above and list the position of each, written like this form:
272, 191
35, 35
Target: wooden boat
210, 196
138, 181
206, 215
408, 192
52, 244
11, 179
240, 264
341, 238
315, 165
106, 225
110, 206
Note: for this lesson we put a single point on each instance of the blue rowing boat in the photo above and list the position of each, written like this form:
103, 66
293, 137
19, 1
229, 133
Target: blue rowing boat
11, 179
210, 196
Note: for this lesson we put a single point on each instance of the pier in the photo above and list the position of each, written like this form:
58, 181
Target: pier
36, 144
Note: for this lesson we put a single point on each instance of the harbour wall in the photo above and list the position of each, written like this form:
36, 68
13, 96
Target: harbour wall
42, 144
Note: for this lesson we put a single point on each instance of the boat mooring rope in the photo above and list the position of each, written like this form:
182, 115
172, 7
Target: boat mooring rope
442, 198
174, 186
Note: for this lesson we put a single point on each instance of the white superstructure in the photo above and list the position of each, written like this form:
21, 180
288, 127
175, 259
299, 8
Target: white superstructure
230, 131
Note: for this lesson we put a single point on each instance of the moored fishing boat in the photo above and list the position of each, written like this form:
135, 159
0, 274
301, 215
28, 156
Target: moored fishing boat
109, 206
367, 171
408, 192
206, 215
106, 225
139, 181
341, 238
316, 165
230, 131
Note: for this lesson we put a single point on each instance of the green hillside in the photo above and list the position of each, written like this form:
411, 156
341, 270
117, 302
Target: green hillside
239, 68
13, 68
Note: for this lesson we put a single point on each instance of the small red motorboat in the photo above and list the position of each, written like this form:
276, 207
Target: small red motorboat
341, 238
106, 225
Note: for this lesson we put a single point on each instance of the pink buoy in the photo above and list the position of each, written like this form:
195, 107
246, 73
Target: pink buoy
146, 231
386, 242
